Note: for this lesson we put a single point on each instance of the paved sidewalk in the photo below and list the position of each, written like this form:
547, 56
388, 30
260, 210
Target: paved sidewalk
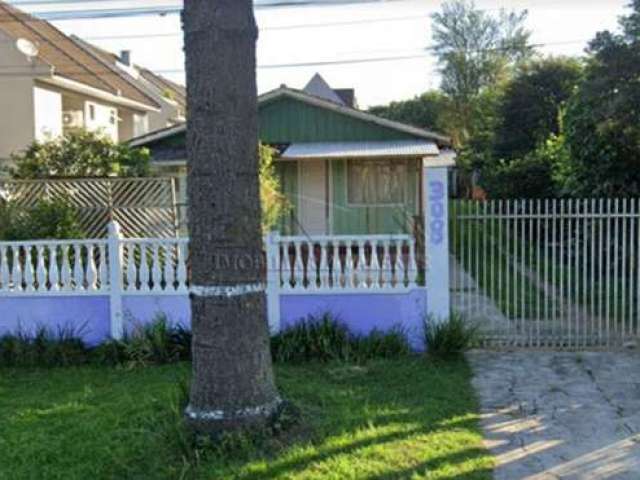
560, 415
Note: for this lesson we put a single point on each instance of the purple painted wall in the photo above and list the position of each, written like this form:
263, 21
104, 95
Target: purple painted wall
362, 313
141, 309
88, 316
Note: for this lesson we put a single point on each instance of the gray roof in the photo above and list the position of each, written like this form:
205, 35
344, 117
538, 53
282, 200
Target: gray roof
391, 148
319, 87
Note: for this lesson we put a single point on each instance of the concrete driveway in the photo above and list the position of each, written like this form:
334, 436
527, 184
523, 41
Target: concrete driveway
560, 415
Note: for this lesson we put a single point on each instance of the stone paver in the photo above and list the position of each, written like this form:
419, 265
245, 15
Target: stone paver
560, 415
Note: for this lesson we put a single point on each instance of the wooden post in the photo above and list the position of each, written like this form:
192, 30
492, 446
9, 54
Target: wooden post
115, 280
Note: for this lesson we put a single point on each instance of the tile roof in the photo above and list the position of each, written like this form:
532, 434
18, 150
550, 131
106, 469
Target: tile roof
178, 92
67, 58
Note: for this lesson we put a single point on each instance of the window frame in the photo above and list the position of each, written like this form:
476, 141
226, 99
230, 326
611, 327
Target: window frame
405, 192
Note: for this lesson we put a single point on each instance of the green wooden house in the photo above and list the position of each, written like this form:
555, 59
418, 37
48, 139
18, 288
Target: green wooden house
344, 171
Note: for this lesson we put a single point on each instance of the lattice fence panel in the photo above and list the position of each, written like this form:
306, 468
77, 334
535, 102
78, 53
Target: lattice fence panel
144, 207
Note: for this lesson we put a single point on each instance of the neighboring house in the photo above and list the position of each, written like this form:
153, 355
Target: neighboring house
170, 96
51, 83
345, 171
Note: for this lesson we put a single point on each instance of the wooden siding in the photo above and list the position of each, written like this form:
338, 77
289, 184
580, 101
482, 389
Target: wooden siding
348, 219
287, 120
352, 220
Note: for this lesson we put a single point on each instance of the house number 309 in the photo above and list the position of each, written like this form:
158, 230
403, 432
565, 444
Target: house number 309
436, 207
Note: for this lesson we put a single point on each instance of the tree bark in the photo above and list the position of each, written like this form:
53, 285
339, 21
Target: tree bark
233, 385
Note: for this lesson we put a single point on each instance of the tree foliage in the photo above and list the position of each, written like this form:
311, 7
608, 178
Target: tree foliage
48, 219
424, 111
80, 154
535, 175
532, 104
603, 118
274, 203
476, 52
474, 48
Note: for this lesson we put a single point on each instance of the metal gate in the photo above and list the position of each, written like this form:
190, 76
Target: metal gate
144, 207
548, 273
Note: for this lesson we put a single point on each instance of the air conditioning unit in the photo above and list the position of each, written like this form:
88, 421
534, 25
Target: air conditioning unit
73, 119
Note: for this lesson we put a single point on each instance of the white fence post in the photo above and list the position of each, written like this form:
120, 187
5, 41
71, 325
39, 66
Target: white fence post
273, 281
436, 226
115, 280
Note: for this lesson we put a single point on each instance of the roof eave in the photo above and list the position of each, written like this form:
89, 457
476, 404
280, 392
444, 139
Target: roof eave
66, 83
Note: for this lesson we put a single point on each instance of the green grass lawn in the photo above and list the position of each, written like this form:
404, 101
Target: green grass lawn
387, 419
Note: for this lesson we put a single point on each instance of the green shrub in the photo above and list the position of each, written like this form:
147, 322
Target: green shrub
449, 338
326, 339
81, 154
111, 353
391, 344
322, 339
43, 348
47, 219
158, 342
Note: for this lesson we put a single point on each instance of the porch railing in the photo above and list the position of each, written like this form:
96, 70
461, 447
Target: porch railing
160, 266
346, 263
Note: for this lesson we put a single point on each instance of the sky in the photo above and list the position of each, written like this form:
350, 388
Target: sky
338, 32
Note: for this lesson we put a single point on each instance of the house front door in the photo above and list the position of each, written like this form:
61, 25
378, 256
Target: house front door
313, 197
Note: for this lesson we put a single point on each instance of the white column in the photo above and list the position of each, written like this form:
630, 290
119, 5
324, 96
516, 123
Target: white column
115, 281
436, 223
273, 280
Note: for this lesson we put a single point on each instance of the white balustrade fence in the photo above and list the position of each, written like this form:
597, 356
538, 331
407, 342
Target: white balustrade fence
83, 266
345, 263
117, 267
154, 266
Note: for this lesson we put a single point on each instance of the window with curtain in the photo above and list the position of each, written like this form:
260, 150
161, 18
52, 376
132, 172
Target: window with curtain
376, 182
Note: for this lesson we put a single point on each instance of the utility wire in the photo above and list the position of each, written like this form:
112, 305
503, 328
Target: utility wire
349, 61
162, 10
257, 3
21, 70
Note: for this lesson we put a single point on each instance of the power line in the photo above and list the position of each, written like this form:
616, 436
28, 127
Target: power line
257, 3
97, 13
165, 10
305, 26
20, 69
60, 15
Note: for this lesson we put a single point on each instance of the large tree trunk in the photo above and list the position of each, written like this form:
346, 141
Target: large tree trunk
233, 382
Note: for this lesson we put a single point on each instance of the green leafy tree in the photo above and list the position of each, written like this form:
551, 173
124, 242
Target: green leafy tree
48, 219
274, 203
476, 52
424, 111
80, 154
476, 49
603, 119
537, 174
532, 104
